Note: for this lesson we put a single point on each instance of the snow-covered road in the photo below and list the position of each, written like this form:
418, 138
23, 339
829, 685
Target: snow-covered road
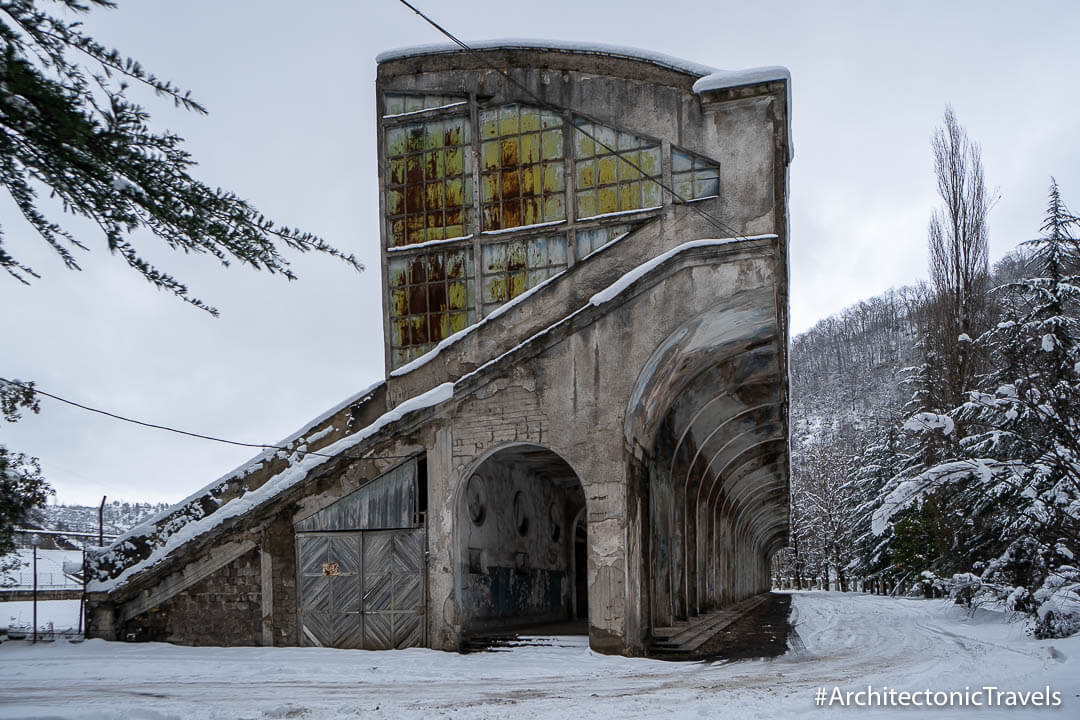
847, 640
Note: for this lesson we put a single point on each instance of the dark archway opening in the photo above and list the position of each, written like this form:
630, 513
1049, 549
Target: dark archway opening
523, 545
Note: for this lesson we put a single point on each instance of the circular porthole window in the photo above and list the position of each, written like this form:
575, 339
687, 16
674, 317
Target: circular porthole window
521, 515
474, 500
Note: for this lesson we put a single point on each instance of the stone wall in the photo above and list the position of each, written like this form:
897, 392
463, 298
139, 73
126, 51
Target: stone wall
221, 609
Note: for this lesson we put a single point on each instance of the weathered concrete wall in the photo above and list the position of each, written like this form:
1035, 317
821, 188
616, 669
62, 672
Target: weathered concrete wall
585, 377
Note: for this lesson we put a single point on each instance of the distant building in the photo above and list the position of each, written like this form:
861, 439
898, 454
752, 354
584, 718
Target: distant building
584, 263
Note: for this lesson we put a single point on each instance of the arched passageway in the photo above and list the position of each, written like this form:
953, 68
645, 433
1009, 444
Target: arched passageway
522, 542
708, 423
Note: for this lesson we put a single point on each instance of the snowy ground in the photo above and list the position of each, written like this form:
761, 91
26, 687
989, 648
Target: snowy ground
845, 640
61, 614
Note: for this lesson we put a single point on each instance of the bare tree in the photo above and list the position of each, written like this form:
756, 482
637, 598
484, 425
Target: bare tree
959, 265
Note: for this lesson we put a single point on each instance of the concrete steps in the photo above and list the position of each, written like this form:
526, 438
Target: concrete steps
686, 637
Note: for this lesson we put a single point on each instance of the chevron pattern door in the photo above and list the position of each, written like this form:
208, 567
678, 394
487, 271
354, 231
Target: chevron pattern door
362, 589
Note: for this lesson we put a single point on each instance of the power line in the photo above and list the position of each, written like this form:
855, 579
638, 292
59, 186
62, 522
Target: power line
715, 221
106, 413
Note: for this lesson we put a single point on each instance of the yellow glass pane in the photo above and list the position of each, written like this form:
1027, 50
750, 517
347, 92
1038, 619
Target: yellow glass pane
433, 165
433, 135
530, 119
586, 204
607, 200
397, 233
517, 284
418, 330
456, 297
495, 289
511, 214
650, 194
553, 178
530, 148
627, 161
455, 132
458, 321
650, 160
489, 155
415, 140
530, 211
554, 208
606, 170
454, 162
414, 171
436, 233
454, 193
440, 326
508, 120
397, 171
584, 146
489, 188
509, 152
395, 202
433, 193
530, 180
510, 186
492, 219
489, 124
630, 196
551, 145
453, 231
395, 141
586, 174
398, 273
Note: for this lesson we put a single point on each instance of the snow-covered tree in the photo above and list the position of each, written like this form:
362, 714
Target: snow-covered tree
1015, 478
22, 487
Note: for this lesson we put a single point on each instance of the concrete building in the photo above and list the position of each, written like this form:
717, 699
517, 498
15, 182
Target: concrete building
584, 263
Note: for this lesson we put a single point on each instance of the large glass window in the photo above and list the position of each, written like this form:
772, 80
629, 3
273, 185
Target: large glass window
693, 177
429, 183
431, 297
592, 239
397, 104
521, 167
512, 267
615, 172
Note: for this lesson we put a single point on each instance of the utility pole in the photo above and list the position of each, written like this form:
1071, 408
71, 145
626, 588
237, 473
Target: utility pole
35, 589
101, 523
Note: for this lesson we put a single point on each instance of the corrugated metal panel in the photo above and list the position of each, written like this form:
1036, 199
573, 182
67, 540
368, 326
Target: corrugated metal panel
388, 501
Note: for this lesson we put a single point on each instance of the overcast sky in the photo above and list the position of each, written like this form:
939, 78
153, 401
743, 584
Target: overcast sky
290, 89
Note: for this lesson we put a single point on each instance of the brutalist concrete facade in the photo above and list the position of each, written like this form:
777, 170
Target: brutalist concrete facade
585, 409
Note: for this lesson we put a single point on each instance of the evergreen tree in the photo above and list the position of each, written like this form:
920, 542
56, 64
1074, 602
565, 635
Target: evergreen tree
22, 487
67, 128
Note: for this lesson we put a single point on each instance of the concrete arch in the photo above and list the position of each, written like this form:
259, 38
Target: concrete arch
514, 507
708, 417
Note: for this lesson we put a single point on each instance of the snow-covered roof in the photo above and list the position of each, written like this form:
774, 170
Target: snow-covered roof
591, 48
723, 79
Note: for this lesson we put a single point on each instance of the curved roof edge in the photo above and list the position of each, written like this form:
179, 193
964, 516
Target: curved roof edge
660, 59
724, 79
